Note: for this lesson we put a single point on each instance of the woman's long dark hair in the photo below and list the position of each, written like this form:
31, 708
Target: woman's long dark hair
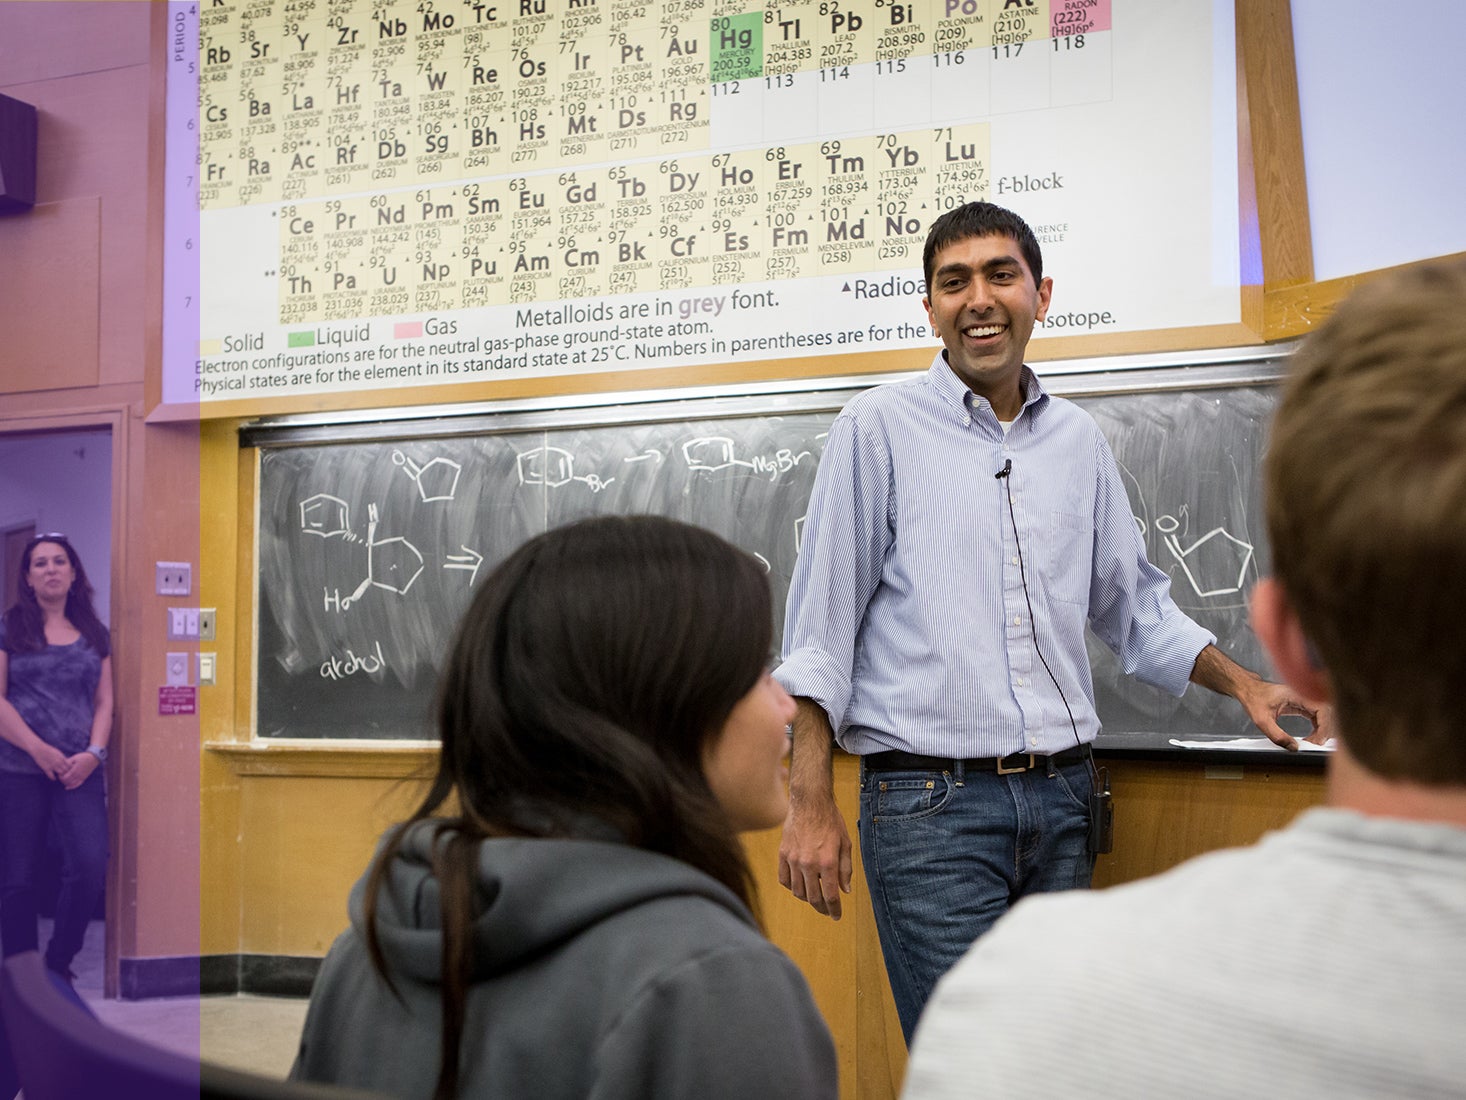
25, 622
589, 673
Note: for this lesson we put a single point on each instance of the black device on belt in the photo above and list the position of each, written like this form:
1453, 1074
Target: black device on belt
896, 761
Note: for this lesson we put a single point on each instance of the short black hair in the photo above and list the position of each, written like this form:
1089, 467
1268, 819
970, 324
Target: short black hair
981, 219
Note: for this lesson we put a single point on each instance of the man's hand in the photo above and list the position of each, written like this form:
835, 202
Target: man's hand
814, 855
1266, 702
1323, 726
814, 852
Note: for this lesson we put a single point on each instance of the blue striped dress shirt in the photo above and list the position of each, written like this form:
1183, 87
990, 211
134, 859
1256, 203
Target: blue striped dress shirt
907, 617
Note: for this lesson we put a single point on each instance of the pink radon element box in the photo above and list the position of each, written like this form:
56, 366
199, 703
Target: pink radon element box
1078, 17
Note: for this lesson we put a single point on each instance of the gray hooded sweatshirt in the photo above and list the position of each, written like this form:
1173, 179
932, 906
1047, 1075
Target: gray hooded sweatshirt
601, 971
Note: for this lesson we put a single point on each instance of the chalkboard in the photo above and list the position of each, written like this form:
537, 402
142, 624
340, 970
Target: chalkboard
368, 549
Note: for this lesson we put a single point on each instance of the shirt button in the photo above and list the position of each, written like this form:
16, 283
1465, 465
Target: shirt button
1014, 559
1017, 620
1033, 740
1019, 681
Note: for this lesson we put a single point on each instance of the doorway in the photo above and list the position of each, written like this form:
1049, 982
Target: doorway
61, 481
15, 539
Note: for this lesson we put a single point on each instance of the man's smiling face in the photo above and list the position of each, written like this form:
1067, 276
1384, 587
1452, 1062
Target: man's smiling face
983, 302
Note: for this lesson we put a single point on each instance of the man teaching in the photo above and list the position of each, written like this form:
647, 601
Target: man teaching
964, 529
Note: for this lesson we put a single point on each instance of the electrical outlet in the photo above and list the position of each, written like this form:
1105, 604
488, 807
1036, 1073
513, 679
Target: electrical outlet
175, 578
206, 624
207, 665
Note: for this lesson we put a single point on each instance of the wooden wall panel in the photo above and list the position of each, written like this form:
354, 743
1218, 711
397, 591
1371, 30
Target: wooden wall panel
1166, 813
73, 283
50, 291
297, 831
47, 41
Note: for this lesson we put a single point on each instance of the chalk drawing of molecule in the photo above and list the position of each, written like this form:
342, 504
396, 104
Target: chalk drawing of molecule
392, 564
325, 515
436, 480
555, 467
711, 453
1216, 564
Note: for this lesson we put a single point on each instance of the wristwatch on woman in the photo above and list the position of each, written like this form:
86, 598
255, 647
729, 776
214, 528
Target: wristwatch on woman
99, 751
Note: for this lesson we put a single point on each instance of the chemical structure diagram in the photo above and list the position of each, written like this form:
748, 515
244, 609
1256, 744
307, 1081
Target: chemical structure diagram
555, 467
437, 480
714, 453
1216, 564
392, 564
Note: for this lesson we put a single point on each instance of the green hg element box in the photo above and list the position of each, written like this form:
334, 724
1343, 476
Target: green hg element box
737, 47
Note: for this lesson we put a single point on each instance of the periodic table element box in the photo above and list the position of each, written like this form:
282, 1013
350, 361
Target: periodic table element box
18, 129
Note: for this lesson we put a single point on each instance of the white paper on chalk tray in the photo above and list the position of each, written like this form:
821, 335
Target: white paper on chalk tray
1251, 744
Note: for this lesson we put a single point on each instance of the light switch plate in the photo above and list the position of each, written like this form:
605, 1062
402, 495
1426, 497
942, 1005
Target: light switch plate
178, 624
207, 664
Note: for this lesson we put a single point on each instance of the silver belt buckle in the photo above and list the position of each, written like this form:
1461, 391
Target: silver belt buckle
1014, 771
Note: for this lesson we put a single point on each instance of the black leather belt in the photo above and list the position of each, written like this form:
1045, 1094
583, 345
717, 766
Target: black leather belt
896, 761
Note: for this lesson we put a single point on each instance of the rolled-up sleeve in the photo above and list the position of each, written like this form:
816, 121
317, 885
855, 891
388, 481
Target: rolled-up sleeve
847, 532
1130, 605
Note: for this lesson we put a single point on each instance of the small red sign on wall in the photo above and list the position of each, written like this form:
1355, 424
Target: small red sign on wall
178, 700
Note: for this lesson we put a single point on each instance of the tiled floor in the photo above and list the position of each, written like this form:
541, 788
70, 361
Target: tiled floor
258, 1034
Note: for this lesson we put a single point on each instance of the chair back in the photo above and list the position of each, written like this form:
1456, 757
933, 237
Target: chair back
62, 1052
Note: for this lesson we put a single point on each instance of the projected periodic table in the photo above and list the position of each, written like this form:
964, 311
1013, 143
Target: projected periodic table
635, 183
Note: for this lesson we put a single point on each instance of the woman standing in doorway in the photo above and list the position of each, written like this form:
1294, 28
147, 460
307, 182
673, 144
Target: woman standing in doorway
55, 719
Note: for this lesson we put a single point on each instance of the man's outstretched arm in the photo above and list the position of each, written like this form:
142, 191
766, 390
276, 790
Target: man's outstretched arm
1265, 702
814, 852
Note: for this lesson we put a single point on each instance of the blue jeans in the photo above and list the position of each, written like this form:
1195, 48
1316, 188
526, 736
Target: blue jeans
28, 805
946, 853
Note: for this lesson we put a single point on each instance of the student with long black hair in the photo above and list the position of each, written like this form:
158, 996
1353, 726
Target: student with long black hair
569, 911
55, 722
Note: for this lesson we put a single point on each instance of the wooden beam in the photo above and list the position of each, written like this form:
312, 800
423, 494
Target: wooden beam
1269, 99
1297, 310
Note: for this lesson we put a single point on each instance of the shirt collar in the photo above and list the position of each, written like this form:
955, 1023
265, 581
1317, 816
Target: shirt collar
962, 400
